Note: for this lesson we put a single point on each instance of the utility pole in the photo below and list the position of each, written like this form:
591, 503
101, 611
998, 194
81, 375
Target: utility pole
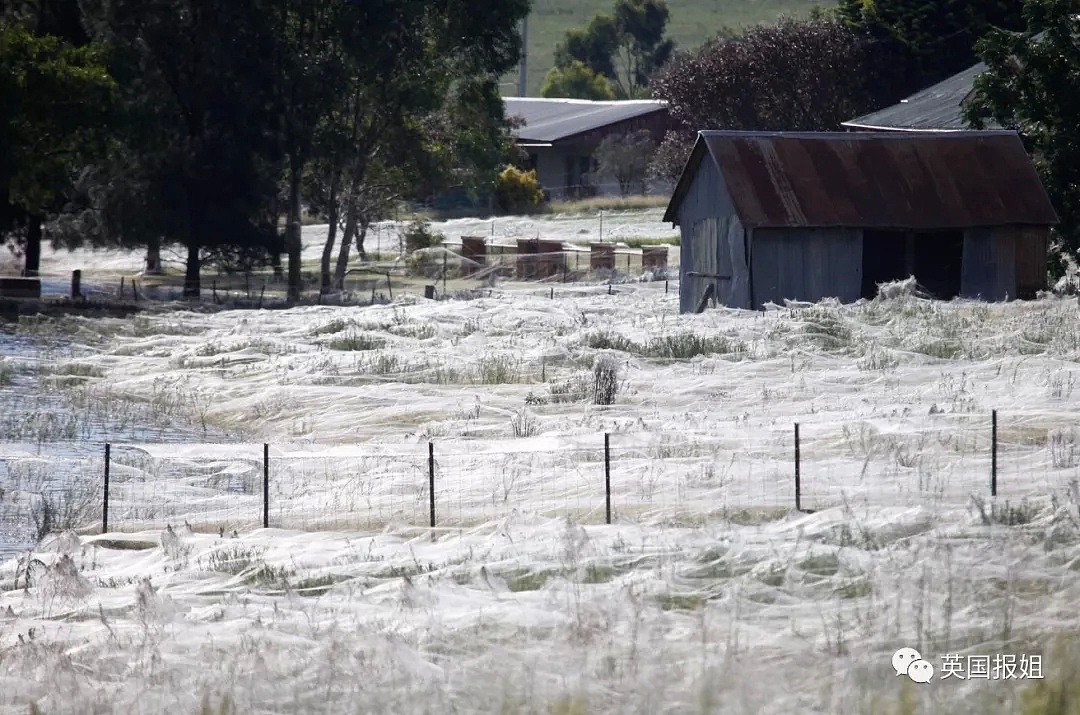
523, 65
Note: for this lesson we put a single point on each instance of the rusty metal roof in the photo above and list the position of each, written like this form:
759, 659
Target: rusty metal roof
873, 179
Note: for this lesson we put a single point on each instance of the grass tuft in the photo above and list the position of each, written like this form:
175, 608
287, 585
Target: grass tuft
680, 346
356, 342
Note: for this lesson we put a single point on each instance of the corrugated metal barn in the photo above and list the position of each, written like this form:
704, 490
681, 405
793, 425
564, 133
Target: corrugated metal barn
768, 216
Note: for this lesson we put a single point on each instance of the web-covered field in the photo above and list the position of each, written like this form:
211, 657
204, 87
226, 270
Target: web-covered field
709, 593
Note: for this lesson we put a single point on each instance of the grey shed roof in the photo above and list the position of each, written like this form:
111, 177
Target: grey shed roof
901, 180
936, 108
550, 120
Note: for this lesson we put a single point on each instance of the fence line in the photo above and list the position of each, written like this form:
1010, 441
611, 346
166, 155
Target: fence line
643, 476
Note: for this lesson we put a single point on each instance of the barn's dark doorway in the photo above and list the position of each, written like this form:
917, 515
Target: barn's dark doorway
884, 258
938, 260
935, 258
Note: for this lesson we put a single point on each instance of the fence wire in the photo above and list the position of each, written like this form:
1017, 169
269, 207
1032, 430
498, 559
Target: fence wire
212, 492
648, 477
347, 492
680, 476
43, 493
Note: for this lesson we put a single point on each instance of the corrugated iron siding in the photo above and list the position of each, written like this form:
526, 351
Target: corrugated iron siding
880, 179
712, 241
989, 270
1031, 261
806, 264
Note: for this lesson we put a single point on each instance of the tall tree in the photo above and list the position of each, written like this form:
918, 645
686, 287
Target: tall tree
594, 46
1032, 85
313, 40
195, 71
920, 42
805, 75
642, 49
56, 100
625, 47
578, 80
420, 103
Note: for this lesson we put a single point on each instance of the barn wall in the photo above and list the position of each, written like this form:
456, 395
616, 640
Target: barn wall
989, 270
551, 169
806, 264
1031, 260
712, 242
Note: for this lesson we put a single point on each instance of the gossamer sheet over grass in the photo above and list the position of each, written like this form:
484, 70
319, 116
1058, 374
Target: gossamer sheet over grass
709, 593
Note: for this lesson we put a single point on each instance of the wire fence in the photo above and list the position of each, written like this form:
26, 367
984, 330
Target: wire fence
644, 477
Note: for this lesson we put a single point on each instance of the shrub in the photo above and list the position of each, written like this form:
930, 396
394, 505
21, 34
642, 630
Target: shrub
497, 370
571, 389
355, 341
418, 235
524, 423
605, 381
517, 191
680, 346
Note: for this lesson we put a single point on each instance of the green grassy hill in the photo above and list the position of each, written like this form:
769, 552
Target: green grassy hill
691, 23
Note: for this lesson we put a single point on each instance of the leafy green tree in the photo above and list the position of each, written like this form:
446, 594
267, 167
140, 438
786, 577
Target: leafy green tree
625, 48
643, 48
314, 42
56, 99
920, 42
576, 80
1032, 85
625, 158
594, 46
420, 107
201, 129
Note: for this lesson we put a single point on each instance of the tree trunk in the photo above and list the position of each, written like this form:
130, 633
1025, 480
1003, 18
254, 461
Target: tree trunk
191, 274
275, 254
346, 243
153, 257
365, 222
292, 229
192, 287
33, 246
331, 234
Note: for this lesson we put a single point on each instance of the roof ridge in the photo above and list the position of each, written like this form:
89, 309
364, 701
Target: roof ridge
891, 134
595, 102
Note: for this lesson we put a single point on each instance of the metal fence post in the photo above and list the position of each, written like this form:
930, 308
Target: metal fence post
993, 453
798, 472
105, 501
607, 476
266, 485
431, 480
